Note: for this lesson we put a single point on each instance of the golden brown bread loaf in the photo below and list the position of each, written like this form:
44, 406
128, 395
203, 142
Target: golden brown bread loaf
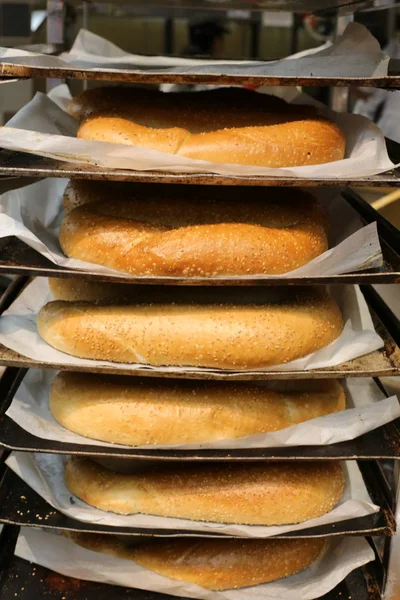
215, 564
217, 328
137, 412
225, 126
251, 494
181, 231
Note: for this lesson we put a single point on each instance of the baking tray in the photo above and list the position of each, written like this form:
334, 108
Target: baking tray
22, 580
381, 443
158, 76
383, 362
21, 164
20, 505
18, 258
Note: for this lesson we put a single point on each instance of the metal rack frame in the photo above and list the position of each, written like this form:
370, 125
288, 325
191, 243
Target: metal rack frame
17, 577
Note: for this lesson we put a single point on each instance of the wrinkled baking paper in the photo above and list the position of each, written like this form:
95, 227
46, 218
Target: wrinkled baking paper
18, 331
33, 214
56, 552
367, 410
44, 473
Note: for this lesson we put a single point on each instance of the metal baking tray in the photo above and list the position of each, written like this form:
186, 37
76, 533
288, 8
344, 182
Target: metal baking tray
157, 76
20, 505
18, 258
22, 580
21, 164
383, 362
382, 443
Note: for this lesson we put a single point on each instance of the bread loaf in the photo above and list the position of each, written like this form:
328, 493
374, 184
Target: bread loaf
138, 412
281, 325
170, 232
215, 564
225, 126
252, 494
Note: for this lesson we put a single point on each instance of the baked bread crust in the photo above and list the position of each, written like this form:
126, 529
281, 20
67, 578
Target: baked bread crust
216, 564
170, 232
290, 324
224, 126
138, 412
251, 494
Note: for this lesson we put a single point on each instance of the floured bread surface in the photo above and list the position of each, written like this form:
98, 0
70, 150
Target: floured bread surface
139, 412
283, 325
223, 126
215, 564
192, 232
251, 494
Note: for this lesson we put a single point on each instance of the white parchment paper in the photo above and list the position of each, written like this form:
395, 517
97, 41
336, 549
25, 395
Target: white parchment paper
43, 128
362, 53
367, 410
18, 331
33, 214
56, 552
44, 473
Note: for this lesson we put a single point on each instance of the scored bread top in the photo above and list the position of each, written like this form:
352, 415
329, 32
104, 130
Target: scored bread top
167, 230
226, 126
247, 329
279, 493
217, 564
135, 411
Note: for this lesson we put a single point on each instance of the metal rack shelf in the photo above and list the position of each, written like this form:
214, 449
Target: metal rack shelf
20, 505
381, 443
25, 581
20, 164
159, 76
20, 259
381, 363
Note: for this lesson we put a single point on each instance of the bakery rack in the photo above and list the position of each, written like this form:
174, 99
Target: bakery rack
21, 506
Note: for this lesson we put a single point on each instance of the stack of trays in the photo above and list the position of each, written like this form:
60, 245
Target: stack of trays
215, 430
